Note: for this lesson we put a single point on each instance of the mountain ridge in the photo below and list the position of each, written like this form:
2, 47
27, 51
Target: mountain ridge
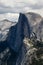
19, 39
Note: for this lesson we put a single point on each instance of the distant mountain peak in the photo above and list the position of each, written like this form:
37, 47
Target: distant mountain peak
32, 13
6, 20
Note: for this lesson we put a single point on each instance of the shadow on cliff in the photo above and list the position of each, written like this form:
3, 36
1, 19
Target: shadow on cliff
18, 32
15, 37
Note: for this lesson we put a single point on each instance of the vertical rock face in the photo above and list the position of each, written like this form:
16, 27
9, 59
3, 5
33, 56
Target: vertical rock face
27, 23
18, 32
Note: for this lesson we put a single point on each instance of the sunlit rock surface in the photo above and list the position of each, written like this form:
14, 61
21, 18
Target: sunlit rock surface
36, 24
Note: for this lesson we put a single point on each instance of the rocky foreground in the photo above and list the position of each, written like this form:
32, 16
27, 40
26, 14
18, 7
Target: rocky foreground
29, 54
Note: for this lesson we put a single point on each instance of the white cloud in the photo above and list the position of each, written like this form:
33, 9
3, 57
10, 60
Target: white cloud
13, 3
17, 3
9, 7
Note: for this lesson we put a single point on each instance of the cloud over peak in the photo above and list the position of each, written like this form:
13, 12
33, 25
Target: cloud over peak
16, 6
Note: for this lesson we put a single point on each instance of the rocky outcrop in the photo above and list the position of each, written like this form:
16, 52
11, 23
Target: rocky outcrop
20, 51
18, 32
34, 20
27, 24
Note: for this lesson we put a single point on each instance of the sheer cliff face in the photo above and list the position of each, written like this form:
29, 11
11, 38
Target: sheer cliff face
18, 32
27, 23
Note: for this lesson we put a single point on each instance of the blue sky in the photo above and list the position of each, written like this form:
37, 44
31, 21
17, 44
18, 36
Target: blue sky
10, 8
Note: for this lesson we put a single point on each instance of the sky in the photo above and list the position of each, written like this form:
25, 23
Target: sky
10, 9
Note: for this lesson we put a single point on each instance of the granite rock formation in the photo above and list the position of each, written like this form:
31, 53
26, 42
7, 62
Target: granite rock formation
27, 24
